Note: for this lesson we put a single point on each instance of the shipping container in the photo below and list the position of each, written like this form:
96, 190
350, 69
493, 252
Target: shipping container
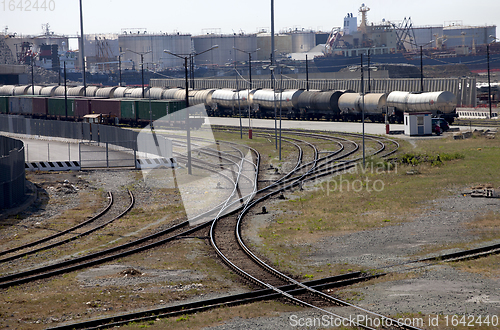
106, 106
4, 104
21, 105
40, 106
160, 109
128, 109
56, 107
82, 107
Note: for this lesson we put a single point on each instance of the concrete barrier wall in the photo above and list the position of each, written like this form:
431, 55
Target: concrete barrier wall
12, 174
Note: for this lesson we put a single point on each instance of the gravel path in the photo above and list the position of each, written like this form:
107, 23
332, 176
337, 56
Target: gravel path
439, 289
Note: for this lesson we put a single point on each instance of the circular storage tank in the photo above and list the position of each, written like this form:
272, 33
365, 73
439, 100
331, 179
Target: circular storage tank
49, 91
106, 92
305, 99
38, 89
7, 90
349, 103
120, 92
374, 102
445, 102
398, 100
156, 93
21, 90
59, 91
224, 97
170, 93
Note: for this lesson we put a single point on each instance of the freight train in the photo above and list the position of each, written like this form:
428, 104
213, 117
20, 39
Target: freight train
131, 110
127, 105
338, 105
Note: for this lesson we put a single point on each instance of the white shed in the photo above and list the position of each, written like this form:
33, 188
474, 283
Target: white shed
418, 123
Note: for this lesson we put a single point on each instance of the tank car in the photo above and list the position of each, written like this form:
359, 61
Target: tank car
326, 104
441, 103
266, 100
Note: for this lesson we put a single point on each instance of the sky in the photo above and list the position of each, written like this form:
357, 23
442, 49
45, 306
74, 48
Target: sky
200, 16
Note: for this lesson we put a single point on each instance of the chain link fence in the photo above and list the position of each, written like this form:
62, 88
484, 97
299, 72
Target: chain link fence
99, 145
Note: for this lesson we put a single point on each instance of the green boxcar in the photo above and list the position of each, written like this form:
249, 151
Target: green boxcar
128, 109
173, 110
4, 104
159, 109
56, 107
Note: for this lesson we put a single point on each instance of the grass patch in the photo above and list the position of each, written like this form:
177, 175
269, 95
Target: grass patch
380, 194
487, 266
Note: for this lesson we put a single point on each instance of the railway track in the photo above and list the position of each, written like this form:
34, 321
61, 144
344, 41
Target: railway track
129, 248
112, 212
277, 285
227, 241
279, 289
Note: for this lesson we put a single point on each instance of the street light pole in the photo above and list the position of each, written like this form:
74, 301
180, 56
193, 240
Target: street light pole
422, 64
33, 74
120, 69
421, 69
281, 100
142, 65
307, 74
363, 109
250, 78
489, 82
369, 76
188, 128
82, 52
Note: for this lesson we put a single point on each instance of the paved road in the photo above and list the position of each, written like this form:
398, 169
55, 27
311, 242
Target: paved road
370, 128
52, 151
48, 149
